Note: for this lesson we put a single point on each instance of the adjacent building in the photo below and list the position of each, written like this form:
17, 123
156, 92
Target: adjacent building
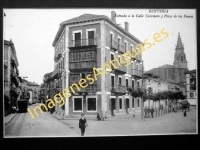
89, 41
191, 87
154, 84
11, 77
176, 72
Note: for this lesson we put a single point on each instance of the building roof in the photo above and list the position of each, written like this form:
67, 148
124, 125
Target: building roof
32, 84
13, 49
190, 71
91, 17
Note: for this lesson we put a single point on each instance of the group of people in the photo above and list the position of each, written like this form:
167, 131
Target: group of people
101, 117
148, 112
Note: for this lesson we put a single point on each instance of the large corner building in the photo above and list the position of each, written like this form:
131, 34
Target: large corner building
91, 41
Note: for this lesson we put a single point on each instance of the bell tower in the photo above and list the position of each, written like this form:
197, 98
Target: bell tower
179, 56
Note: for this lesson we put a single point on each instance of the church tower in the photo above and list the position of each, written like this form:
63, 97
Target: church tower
179, 56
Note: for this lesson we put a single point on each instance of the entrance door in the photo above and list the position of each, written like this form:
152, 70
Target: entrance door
112, 106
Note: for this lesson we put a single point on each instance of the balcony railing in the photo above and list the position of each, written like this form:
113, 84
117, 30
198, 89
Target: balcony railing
121, 49
89, 88
136, 73
82, 65
118, 88
83, 42
57, 56
113, 45
120, 70
57, 73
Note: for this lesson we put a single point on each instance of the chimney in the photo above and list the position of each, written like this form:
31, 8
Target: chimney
126, 26
113, 16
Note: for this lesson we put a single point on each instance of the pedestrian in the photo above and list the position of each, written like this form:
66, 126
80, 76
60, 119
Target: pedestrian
184, 112
145, 110
106, 115
14, 109
98, 116
152, 111
134, 114
102, 118
82, 124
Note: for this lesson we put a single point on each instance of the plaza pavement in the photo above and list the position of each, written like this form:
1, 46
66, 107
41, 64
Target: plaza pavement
125, 125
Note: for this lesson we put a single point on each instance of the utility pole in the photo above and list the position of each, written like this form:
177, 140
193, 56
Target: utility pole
142, 101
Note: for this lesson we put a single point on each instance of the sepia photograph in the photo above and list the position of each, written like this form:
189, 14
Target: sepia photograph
99, 72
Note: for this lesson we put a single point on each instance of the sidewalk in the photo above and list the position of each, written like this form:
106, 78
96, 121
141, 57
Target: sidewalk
91, 117
8, 118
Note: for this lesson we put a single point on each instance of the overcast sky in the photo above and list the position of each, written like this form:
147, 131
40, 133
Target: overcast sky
33, 30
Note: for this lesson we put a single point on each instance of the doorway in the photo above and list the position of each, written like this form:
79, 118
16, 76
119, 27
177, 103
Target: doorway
113, 100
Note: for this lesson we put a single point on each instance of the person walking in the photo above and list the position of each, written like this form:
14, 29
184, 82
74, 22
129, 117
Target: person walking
82, 124
145, 111
134, 114
184, 112
152, 111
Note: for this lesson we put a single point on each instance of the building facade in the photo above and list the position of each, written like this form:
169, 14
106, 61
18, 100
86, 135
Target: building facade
11, 77
155, 85
89, 41
191, 87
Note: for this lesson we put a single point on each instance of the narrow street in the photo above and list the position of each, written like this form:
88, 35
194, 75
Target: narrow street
22, 125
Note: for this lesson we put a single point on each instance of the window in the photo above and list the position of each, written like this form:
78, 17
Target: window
91, 104
111, 40
77, 39
126, 82
90, 37
112, 81
119, 41
138, 83
133, 103
120, 80
138, 102
132, 83
191, 95
120, 103
78, 104
125, 46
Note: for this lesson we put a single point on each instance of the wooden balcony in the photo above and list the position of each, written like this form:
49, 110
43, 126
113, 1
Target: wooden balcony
136, 74
118, 89
83, 43
83, 65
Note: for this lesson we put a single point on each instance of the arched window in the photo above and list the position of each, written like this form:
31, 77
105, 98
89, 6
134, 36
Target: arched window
181, 58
